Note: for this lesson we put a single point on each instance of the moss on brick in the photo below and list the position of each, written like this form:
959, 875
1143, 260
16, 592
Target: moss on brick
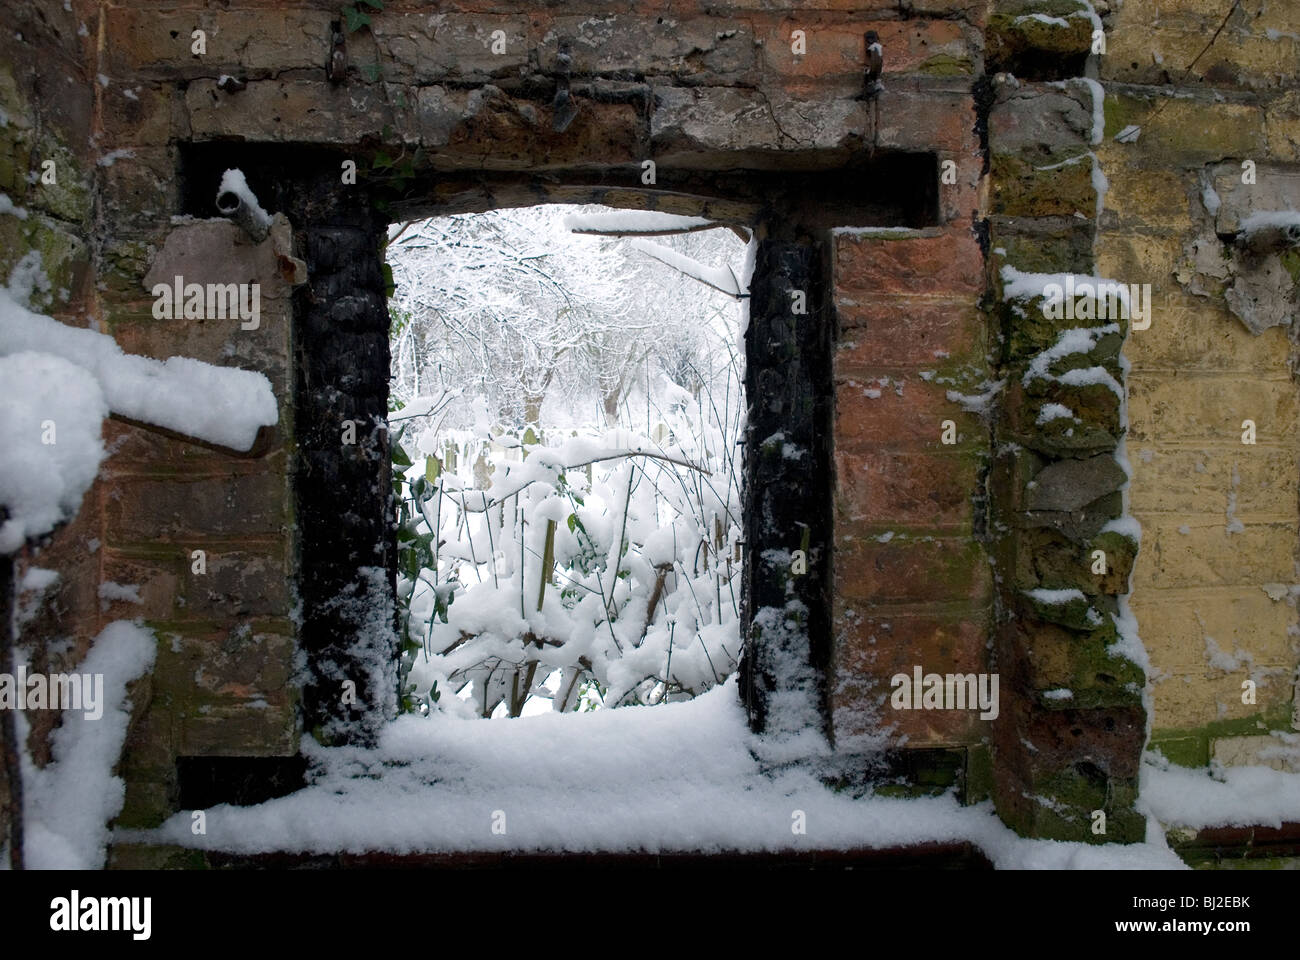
946, 65
1064, 804
149, 856
1054, 188
1054, 245
1190, 746
977, 784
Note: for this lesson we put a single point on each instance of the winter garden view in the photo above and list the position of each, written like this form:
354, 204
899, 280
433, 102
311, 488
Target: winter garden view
567, 414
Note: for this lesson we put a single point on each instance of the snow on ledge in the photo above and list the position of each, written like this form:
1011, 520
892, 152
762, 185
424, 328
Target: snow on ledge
221, 405
679, 777
648, 222
1218, 796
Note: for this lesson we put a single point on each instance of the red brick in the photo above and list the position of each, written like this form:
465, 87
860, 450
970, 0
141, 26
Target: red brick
188, 510
837, 49
914, 116
870, 650
866, 423
896, 332
902, 570
156, 579
907, 489
935, 262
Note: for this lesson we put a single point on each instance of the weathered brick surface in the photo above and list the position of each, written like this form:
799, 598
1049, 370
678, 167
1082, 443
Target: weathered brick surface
945, 263
880, 331
911, 489
898, 413
701, 88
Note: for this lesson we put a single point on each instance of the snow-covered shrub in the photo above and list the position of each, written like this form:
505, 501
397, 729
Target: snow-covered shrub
569, 510
601, 569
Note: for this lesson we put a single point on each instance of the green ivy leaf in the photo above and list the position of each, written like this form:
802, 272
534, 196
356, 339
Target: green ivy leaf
355, 19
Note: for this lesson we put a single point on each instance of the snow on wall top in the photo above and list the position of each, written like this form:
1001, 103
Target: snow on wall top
633, 221
221, 405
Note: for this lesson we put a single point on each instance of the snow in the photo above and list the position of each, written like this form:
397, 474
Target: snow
110, 590
38, 578
1019, 285
26, 277
1042, 18
70, 802
1098, 108
1218, 796
1076, 340
417, 407
719, 278
233, 182
1091, 377
979, 403
1100, 185
647, 222
1059, 694
1125, 527
1220, 659
1286, 220
8, 206
676, 777
110, 158
1055, 597
1210, 197
45, 398
222, 405
1054, 411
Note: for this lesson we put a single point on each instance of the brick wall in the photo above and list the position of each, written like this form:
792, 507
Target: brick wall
1218, 559
933, 545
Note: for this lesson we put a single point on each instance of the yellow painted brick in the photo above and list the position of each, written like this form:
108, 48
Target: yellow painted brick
1257, 751
1210, 556
1185, 132
1282, 127
1185, 701
1169, 44
1155, 11
1200, 408
1199, 333
1143, 198
1196, 482
1138, 258
1241, 622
